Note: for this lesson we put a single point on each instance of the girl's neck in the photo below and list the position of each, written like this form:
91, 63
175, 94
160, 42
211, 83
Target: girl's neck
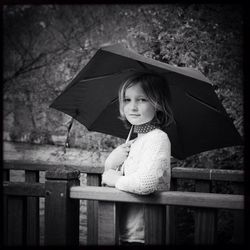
143, 128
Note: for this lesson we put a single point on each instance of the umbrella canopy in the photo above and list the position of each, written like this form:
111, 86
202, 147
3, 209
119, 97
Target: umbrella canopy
200, 121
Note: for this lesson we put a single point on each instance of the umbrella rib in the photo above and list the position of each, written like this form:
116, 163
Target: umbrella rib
203, 103
90, 127
106, 75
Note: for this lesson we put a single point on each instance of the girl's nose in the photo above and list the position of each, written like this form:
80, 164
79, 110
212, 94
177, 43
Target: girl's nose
134, 106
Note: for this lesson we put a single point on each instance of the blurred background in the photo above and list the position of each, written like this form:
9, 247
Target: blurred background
45, 46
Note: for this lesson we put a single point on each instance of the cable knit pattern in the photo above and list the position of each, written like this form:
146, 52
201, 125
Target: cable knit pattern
147, 168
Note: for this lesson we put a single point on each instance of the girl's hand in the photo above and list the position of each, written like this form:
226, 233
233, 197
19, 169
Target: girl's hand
118, 156
110, 177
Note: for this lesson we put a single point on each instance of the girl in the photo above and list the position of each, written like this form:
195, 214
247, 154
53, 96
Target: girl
142, 165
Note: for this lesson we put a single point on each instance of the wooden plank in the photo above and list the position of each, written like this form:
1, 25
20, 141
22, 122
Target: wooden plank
205, 219
16, 228
178, 198
208, 174
92, 212
61, 212
205, 226
108, 224
24, 189
155, 224
6, 177
92, 168
238, 230
32, 212
93, 179
171, 218
171, 230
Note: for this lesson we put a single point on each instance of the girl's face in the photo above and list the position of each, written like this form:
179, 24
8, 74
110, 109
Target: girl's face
137, 108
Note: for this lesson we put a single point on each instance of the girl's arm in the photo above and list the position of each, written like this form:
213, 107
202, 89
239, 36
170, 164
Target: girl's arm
117, 156
153, 168
110, 177
112, 163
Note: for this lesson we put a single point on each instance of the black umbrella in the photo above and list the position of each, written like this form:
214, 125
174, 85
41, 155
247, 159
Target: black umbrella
200, 121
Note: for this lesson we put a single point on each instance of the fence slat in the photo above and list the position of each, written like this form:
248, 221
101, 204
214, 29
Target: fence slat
6, 177
32, 211
205, 226
24, 189
205, 218
108, 224
238, 231
155, 224
16, 215
61, 212
171, 218
92, 212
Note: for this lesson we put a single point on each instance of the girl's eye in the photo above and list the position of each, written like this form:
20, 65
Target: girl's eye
138, 100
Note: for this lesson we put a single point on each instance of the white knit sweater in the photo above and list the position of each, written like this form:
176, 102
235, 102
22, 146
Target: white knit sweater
147, 168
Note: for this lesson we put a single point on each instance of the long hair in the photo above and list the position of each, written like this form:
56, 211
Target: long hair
156, 88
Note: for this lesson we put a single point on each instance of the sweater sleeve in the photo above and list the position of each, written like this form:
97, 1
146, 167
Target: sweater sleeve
155, 160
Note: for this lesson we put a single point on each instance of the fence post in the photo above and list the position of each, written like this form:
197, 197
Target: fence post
32, 212
238, 231
108, 223
14, 214
92, 211
205, 218
6, 177
171, 218
155, 224
61, 212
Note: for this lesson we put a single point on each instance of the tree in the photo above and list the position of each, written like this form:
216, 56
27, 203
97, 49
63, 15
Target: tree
45, 46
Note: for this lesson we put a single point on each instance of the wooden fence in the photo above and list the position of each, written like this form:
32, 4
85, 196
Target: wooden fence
62, 192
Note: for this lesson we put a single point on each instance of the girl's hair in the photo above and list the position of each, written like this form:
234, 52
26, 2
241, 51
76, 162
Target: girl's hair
156, 88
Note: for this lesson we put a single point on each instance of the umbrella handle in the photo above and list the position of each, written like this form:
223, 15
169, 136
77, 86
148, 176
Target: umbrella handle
130, 133
128, 138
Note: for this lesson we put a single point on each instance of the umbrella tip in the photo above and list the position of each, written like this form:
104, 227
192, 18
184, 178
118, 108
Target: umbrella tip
103, 45
121, 44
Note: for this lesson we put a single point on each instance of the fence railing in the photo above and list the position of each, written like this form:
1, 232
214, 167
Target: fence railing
62, 192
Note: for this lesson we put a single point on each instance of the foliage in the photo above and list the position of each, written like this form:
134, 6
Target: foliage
46, 46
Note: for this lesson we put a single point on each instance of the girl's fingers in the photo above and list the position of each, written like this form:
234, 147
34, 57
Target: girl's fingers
129, 143
126, 145
127, 149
